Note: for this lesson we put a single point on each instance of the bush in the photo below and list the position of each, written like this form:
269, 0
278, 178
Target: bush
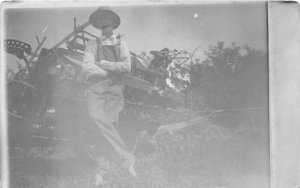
231, 77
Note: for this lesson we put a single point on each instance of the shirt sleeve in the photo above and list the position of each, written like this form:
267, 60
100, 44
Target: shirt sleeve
89, 66
124, 65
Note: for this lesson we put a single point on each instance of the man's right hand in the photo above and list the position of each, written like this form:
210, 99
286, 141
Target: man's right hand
100, 74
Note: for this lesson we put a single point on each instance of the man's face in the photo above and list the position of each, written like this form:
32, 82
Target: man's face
107, 31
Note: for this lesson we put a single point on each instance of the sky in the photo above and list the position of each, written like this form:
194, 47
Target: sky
151, 27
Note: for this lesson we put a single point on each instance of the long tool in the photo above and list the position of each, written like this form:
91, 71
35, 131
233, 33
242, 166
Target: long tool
70, 35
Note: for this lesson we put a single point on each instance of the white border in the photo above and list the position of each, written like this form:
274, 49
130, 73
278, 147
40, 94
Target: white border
3, 112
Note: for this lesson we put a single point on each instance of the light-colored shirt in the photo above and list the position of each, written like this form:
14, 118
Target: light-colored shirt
92, 66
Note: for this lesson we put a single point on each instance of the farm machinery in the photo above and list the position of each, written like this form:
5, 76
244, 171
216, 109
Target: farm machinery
46, 98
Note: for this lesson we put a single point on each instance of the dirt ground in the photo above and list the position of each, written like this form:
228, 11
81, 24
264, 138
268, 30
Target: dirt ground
183, 159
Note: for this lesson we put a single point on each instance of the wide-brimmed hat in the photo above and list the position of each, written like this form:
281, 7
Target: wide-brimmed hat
104, 17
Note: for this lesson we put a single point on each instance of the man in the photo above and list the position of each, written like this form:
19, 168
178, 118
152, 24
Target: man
105, 61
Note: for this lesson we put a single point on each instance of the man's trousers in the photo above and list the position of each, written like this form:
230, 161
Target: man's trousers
105, 101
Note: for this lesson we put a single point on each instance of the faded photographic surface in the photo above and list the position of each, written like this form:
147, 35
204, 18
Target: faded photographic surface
138, 96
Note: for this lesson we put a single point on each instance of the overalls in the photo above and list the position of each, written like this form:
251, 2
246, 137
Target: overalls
105, 101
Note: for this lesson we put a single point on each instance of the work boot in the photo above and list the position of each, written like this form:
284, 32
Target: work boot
102, 169
129, 167
131, 170
99, 181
